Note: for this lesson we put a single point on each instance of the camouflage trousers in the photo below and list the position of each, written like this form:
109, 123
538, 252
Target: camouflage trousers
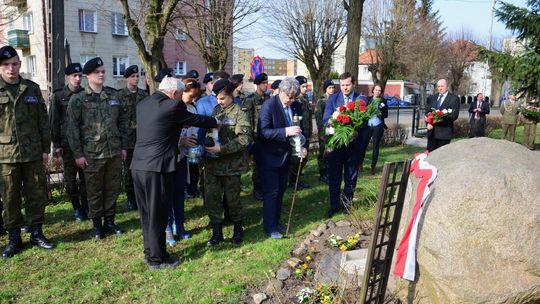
74, 189
103, 185
214, 189
126, 173
529, 134
16, 179
509, 132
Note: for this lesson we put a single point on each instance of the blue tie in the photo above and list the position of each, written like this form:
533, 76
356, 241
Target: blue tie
439, 101
288, 114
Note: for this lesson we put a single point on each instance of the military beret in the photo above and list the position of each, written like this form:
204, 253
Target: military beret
91, 65
133, 69
192, 74
162, 73
301, 80
208, 77
327, 83
73, 68
260, 78
222, 85
7, 52
275, 84
238, 78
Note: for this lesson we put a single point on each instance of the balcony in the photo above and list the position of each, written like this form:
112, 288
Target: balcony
18, 39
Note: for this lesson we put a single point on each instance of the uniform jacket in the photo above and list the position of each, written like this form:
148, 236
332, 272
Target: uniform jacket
129, 100
252, 105
234, 136
319, 112
272, 144
444, 129
58, 113
25, 132
159, 121
307, 117
96, 124
509, 111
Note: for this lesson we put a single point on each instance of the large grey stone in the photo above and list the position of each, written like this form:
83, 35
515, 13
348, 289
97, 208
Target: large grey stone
480, 232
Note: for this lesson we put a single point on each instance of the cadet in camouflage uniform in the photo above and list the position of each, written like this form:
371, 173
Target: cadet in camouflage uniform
25, 142
328, 88
252, 105
129, 97
238, 83
307, 130
222, 174
59, 117
97, 137
529, 128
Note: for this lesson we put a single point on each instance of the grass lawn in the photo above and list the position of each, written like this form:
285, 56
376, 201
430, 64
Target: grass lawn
497, 134
81, 270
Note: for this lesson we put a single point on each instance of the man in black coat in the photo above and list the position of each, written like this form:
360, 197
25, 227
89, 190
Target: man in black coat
440, 133
478, 111
160, 118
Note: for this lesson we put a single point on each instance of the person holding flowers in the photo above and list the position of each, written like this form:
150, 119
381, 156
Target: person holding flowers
441, 111
376, 125
530, 113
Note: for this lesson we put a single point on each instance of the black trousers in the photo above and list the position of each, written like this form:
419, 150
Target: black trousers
153, 192
433, 144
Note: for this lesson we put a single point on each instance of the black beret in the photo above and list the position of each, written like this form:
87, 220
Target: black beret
91, 65
208, 77
327, 83
7, 52
192, 74
260, 78
238, 77
73, 68
301, 80
222, 85
133, 69
162, 73
275, 84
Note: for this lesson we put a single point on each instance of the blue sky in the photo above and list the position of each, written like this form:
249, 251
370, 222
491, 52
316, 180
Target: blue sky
472, 16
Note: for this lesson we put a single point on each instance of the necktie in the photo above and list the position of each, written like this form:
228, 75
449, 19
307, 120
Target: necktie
478, 107
288, 114
345, 99
439, 100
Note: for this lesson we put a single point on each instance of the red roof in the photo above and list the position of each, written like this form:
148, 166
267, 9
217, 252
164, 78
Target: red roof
368, 57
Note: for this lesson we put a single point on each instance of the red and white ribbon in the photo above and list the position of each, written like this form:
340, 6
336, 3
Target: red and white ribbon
406, 254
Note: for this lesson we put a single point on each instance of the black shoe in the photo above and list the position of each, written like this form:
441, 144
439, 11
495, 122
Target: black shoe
80, 215
169, 263
111, 227
217, 234
98, 232
324, 179
25, 229
330, 213
131, 202
15, 243
238, 234
258, 196
38, 239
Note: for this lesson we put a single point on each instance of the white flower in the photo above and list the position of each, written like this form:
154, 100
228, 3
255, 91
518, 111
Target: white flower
335, 114
449, 111
304, 294
329, 131
445, 111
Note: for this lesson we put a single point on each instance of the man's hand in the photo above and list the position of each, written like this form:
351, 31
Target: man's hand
293, 130
59, 152
45, 158
188, 141
215, 149
303, 154
123, 155
81, 162
429, 126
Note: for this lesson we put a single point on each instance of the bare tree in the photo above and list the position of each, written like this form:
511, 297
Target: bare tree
460, 52
311, 31
211, 25
354, 10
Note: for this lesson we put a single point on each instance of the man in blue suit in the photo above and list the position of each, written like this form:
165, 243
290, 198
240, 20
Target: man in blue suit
272, 151
343, 162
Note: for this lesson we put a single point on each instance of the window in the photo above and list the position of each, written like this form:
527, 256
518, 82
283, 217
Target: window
180, 68
365, 70
32, 68
86, 57
119, 26
119, 65
180, 35
28, 19
87, 21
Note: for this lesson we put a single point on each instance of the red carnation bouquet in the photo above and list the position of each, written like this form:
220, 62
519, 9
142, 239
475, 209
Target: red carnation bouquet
345, 120
436, 116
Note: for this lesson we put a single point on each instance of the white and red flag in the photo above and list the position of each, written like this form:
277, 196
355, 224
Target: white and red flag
406, 253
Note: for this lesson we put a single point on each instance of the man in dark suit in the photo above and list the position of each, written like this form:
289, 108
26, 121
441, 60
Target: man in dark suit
478, 110
160, 118
272, 151
440, 133
343, 162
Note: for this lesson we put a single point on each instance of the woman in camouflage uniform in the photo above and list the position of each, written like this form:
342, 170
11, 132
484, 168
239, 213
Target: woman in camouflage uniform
222, 173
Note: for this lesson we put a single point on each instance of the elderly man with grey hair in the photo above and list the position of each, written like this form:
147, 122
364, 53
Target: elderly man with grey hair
160, 117
272, 151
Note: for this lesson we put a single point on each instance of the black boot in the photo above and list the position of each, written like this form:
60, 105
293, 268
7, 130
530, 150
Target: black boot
84, 204
217, 234
38, 239
110, 226
15, 243
238, 234
131, 202
98, 228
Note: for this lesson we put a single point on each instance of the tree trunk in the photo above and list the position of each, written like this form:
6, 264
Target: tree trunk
354, 30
